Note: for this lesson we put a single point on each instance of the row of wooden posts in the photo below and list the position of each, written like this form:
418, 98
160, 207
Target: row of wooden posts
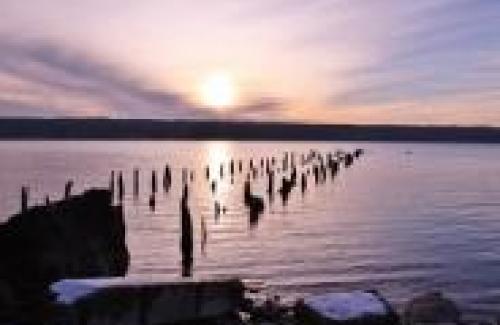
266, 164
313, 162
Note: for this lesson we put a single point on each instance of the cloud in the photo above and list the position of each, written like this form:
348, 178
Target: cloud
428, 55
44, 79
75, 84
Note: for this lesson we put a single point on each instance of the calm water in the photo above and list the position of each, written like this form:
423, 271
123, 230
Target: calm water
396, 221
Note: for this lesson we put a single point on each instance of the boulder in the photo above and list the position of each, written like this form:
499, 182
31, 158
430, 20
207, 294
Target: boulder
431, 308
82, 236
133, 300
347, 308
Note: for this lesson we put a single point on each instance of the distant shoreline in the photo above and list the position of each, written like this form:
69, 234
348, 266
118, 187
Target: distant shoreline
34, 129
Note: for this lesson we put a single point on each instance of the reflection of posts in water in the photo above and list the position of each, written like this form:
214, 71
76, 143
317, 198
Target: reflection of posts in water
253, 218
207, 172
24, 198
231, 167
186, 235
255, 173
240, 166
221, 171
213, 186
184, 175
152, 202
217, 208
204, 235
136, 183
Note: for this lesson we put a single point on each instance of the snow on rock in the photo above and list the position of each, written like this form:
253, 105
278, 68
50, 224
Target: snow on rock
159, 299
69, 291
347, 306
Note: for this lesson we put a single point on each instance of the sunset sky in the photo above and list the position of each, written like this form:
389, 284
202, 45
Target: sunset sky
328, 61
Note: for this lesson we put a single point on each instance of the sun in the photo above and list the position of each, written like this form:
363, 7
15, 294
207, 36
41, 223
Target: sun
218, 91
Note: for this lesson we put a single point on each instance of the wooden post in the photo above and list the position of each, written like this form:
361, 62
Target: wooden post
24, 198
136, 182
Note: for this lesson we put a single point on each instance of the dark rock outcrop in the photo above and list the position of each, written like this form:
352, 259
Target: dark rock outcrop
83, 236
149, 301
431, 308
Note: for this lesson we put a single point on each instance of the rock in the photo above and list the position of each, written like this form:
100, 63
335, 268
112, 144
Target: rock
145, 301
357, 307
83, 236
431, 308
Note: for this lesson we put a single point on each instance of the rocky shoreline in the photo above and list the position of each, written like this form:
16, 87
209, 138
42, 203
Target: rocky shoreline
65, 263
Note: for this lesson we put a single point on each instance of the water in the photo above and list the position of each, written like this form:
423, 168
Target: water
406, 218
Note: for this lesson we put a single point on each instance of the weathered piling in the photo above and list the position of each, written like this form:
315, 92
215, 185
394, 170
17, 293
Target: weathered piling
358, 152
67, 189
154, 185
167, 178
207, 172
270, 183
286, 188
303, 183
253, 202
334, 168
136, 183
348, 160
186, 243
24, 198
293, 176
112, 184
121, 187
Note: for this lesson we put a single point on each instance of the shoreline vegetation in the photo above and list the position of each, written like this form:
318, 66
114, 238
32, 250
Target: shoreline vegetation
143, 129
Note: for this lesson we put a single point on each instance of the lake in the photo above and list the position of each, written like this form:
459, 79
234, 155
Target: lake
404, 219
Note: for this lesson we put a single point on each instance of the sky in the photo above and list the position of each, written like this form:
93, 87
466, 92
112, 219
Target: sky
315, 61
